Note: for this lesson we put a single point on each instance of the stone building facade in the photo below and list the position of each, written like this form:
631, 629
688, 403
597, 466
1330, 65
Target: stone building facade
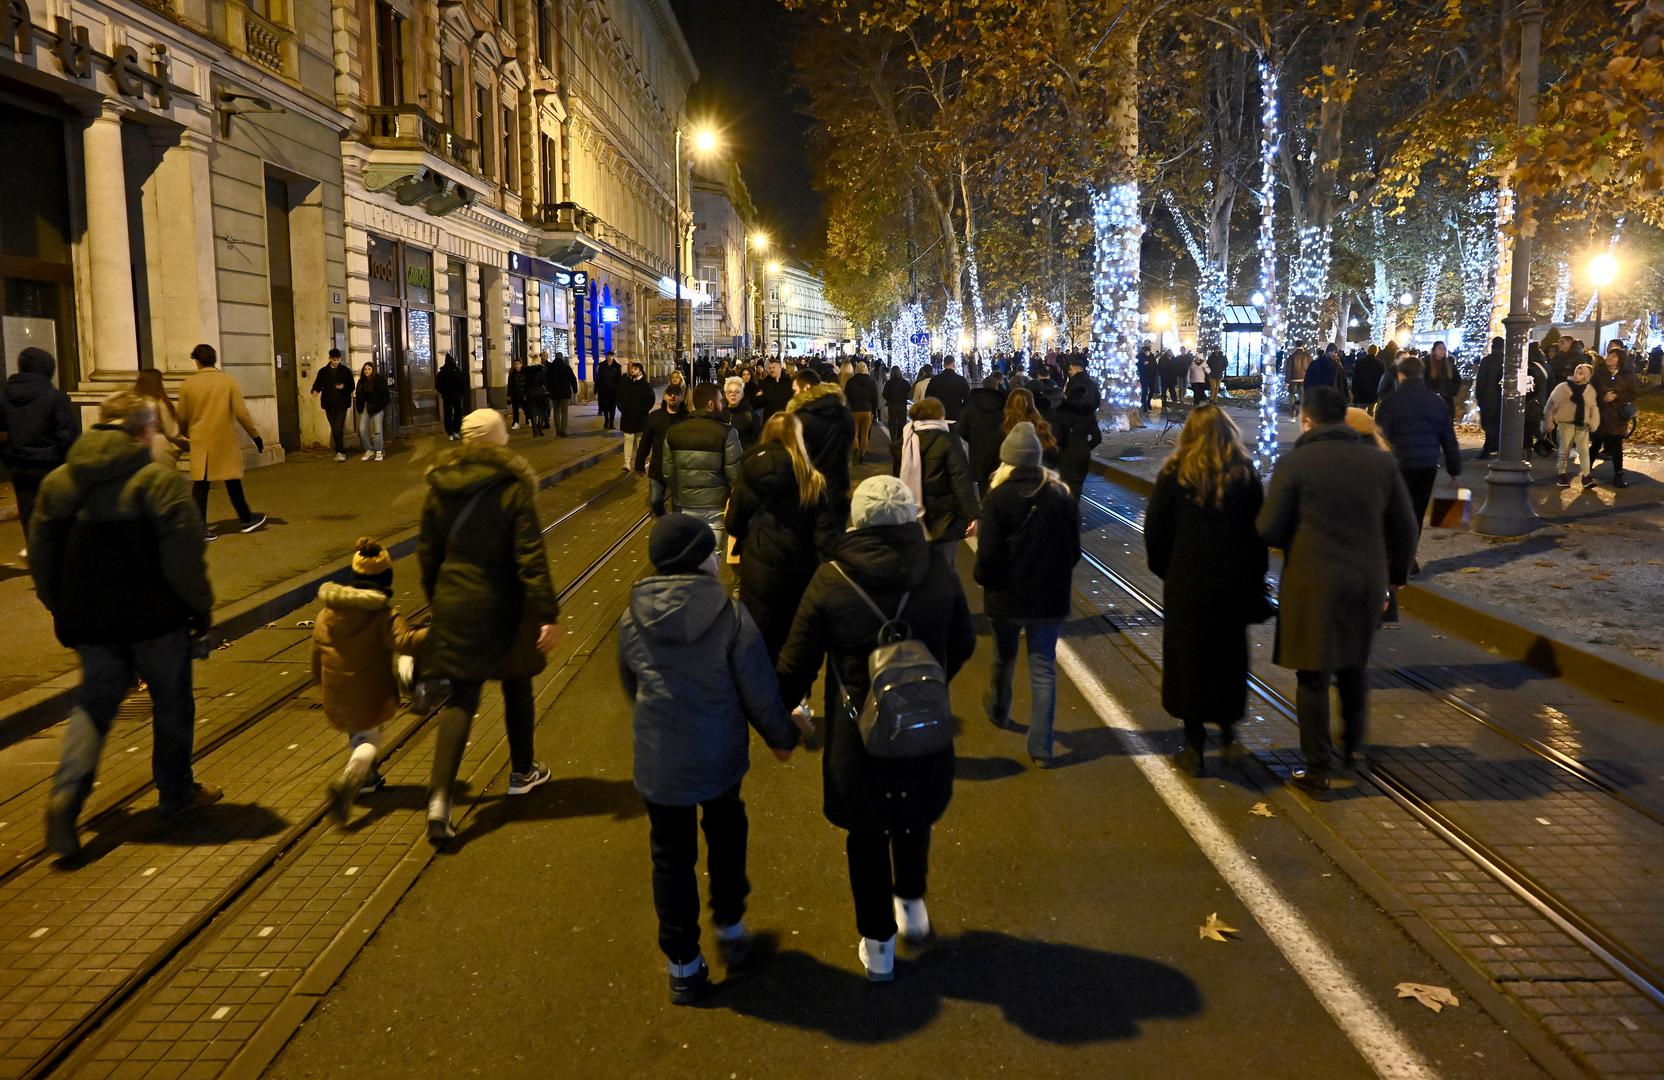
800, 318
722, 221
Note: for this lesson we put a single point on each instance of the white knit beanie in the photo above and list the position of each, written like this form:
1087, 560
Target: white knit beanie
882, 500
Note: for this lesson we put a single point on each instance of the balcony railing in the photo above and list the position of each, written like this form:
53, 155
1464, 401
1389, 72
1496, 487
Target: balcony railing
259, 40
409, 127
568, 217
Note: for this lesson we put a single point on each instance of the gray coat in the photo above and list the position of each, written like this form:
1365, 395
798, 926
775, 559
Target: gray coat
1340, 512
695, 665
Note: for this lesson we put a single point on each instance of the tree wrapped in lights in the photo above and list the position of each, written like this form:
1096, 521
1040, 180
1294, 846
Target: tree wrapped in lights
1271, 376
1380, 294
1562, 292
1429, 291
1117, 230
1479, 256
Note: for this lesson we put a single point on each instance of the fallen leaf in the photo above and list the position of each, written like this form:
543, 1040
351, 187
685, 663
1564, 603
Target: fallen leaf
270, 626
1260, 809
1473, 569
1559, 586
1434, 997
1542, 562
1214, 930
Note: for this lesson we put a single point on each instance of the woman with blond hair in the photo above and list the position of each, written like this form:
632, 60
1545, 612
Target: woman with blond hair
166, 444
782, 523
1199, 538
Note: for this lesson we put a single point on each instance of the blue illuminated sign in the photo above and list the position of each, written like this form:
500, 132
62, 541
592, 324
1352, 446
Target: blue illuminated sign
609, 314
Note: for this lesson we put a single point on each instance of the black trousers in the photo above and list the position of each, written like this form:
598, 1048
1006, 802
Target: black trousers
26, 483
1420, 482
337, 428
233, 490
519, 717
1611, 447
607, 406
452, 406
1491, 421
673, 835
1311, 705
881, 866
515, 408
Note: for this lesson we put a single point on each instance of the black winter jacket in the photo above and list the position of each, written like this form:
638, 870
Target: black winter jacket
951, 389
781, 542
1487, 383
115, 545
1416, 421
1077, 432
487, 578
982, 429
773, 394
1366, 379
448, 380
39, 421
861, 393
864, 793
745, 421
607, 376
650, 447
950, 503
828, 432
694, 664
371, 394
517, 384
333, 384
898, 392
1027, 545
701, 463
535, 378
635, 401
563, 383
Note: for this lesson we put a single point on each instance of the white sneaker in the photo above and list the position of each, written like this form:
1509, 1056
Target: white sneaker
340, 457
369, 455
913, 921
879, 958
514, 427
378, 455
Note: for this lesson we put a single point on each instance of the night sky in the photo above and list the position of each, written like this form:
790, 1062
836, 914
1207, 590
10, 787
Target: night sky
743, 50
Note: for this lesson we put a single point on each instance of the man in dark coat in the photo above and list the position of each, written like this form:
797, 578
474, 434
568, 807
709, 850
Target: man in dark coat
1366, 378
486, 574
40, 424
608, 374
898, 393
982, 428
828, 433
774, 390
1487, 390
1076, 425
332, 386
1081, 387
950, 388
1340, 512
1149, 377
451, 385
563, 387
635, 402
1416, 421
861, 395
649, 457
116, 550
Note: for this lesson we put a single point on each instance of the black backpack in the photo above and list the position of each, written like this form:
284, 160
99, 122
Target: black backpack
909, 714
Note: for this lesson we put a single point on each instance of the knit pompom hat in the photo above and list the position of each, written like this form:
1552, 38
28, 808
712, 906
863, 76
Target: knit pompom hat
680, 544
371, 564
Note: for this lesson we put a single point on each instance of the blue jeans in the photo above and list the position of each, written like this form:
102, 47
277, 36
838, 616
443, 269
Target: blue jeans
1042, 675
106, 675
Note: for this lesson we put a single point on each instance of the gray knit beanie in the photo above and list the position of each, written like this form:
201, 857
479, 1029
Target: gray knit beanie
882, 500
1022, 446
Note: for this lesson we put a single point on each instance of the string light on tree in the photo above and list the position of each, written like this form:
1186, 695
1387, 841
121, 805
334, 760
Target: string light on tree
1114, 351
1211, 280
1271, 379
1562, 292
1308, 285
1478, 247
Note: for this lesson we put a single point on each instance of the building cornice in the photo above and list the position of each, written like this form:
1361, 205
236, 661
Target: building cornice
665, 20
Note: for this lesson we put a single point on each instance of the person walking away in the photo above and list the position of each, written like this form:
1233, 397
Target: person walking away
1570, 415
40, 426
950, 388
737, 412
1366, 378
1077, 437
861, 394
774, 390
898, 394
921, 384
1487, 392
649, 459
1324, 370
635, 401
1295, 377
332, 386
695, 668
166, 445
1416, 422
116, 552
1020, 406
828, 432
887, 806
369, 402
486, 576
934, 468
1149, 378
1028, 542
536, 378
517, 405
1200, 539
1216, 374
702, 462
1615, 389
980, 428
451, 384
563, 387
1339, 511
210, 411
782, 525
1198, 377
608, 374
1081, 384
357, 637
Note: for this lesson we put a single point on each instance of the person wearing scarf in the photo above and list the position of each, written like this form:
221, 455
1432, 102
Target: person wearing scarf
935, 470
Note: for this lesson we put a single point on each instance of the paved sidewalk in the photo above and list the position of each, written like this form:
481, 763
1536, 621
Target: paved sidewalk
317, 508
1590, 570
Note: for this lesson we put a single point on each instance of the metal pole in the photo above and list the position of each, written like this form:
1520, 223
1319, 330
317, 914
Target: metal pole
1507, 510
676, 214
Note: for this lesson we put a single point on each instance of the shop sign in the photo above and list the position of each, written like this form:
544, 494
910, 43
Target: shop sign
72, 45
418, 277
544, 270
609, 313
516, 299
384, 269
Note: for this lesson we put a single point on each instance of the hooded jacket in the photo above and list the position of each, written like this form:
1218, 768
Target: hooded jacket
449, 380
861, 393
829, 433
39, 421
1027, 545
694, 663
701, 462
982, 429
116, 545
487, 577
354, 639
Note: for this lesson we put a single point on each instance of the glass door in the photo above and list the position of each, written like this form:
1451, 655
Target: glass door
386, 350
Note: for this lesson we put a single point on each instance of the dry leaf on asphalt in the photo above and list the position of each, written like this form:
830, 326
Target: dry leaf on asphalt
1260, 809
1542, 562
1473, 569
1214, 930
1434, 997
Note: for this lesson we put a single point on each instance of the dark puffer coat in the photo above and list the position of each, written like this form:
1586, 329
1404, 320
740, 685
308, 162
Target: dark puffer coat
829, 433
1077, 436
1213, 564
781, 542
898, 392
695, 666
1027, 545
950, 388
1366, 380
635, 401
489, 582
950, 503
1620, 384
864, 793
1340, 512
745, 421
37, 417
1416, 421
701, 463
861, 393
981, 429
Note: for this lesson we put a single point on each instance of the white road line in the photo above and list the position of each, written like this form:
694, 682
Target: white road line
1386, 1049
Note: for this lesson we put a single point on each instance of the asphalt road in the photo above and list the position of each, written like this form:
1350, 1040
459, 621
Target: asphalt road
1067, 904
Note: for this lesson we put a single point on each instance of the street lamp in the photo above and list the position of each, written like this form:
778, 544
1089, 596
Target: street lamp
1603, 270
706, 141
1258, 299
1046, 333
1406, 299
757, 241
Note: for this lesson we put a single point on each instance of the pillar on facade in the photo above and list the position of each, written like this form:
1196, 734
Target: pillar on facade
109, 319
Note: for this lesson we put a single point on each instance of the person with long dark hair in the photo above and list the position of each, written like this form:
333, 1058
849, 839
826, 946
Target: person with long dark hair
369, 401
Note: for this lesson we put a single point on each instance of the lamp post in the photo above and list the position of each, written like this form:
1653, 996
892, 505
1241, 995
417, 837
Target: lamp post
705, 141
1603, 270
760, 242
1507, 510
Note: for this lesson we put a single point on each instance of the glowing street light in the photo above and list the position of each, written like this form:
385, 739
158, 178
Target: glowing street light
986, 339
774, 267
1603, 270
1258, 299
759, 241
1406, 299
1046, 333
1163, 318
706, 141
964, 342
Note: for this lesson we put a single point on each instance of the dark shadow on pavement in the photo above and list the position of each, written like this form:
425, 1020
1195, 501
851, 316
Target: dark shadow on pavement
563, 797
1062, 994
986, 768
210, 826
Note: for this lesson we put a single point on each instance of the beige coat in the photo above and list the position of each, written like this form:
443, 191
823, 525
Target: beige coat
210, 410
354, 640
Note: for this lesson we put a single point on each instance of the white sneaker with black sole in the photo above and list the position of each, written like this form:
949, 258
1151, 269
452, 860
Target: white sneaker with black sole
879, 958
912, 920
519, 783
254, 525
340, 457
